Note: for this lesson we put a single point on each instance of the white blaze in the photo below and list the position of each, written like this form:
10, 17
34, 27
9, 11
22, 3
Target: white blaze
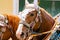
19, 30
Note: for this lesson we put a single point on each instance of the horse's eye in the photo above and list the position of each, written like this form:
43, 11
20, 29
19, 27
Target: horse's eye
31, 14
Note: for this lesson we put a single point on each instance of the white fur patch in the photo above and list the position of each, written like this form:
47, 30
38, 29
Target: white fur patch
19, 30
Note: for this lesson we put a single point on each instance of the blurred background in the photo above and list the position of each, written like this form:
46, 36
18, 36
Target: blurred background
52, 6
15, 6
6, 6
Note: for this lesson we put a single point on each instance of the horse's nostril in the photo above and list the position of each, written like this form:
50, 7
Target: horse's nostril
22, 34
31, 14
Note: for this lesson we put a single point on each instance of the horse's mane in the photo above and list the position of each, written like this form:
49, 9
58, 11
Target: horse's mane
47, 19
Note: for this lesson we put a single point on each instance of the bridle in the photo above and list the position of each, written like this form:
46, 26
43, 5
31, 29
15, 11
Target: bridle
3, 26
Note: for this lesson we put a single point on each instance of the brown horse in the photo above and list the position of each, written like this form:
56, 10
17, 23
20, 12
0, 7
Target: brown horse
37, 23
10, 23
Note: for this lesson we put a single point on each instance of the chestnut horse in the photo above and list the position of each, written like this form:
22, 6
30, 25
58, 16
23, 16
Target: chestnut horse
36, 23
8, 26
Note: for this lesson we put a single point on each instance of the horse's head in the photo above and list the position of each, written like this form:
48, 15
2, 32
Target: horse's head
30, 11
34, 17
29, 14
4, 30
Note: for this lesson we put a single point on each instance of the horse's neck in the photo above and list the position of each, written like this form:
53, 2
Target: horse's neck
47, 21
46, 25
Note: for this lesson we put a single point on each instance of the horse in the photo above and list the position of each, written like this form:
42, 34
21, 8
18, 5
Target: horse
36, 24
8, 26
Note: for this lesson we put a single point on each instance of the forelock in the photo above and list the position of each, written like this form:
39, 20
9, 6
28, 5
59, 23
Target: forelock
25, 12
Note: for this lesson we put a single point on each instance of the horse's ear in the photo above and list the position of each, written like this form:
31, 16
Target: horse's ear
36, 4
26, 2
